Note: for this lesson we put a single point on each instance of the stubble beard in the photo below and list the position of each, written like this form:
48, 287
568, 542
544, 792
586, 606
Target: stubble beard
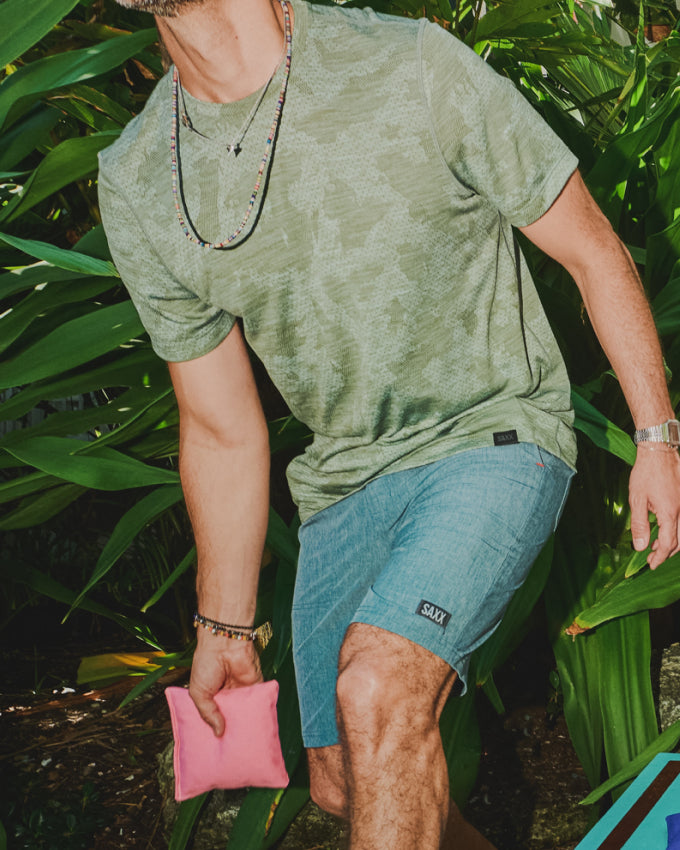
164, 8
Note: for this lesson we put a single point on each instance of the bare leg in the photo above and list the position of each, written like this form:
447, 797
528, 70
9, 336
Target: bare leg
390, 695
329, 791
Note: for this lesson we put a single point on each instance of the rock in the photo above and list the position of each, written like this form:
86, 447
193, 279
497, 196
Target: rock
551, 828
669, 687
312, 828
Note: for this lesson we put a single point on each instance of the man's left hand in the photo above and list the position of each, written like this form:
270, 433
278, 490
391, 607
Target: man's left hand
655, 487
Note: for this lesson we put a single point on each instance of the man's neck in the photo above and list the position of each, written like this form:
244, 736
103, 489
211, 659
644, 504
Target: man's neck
225, 50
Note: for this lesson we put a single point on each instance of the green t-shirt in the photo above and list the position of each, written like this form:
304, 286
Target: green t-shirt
379, 285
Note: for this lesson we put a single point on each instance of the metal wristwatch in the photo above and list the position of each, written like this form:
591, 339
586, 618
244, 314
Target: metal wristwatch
668, 432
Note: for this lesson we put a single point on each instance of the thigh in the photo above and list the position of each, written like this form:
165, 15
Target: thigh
342, 551
464, 546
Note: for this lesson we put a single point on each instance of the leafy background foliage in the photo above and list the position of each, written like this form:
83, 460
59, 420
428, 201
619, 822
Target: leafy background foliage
72, 73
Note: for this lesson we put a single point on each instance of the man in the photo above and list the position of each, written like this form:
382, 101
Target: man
346, 184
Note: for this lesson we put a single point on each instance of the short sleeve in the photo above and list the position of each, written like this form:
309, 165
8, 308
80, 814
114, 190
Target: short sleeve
181, 325
492, 139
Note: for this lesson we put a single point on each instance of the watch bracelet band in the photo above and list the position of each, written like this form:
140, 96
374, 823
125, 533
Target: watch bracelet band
668, 432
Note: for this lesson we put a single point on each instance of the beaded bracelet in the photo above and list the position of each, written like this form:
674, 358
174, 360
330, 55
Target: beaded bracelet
260, 635
227, 630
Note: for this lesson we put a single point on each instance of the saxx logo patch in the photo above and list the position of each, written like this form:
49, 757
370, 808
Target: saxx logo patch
433, 612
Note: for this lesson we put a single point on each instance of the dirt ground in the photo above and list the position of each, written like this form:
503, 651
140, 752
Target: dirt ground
77, 772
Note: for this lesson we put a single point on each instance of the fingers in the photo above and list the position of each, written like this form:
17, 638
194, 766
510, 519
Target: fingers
655, 487
220, 663
639, 524
207, 708
667, 542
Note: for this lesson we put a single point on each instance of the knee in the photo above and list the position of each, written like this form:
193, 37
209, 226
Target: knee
379, 700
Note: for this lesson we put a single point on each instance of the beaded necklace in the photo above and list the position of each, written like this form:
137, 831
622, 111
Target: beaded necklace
177, 188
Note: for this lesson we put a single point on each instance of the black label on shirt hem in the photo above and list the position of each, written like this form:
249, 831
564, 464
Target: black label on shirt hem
505, 438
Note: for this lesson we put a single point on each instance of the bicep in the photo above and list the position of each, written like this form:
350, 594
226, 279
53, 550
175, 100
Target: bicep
217, 393
574, 231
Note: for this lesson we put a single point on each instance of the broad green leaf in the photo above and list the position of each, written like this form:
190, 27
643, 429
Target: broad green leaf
281, 539
506, 17
664, 249
111, 666
42, 583
638, 560
665, 743
137, 411
666, 307
288, 712
23, 23
122, 414
134, 367
287, 433
250, 827
29, 277
622, 156
129, 526
72, 160
492, 694
668, 187
287, 807
73, 344
628, 709
462, 744
188, 813
94, 243
115, 415
647, 589
62, 258
15, 320
26, 135
99, 101
572, 583
604, 673
38, 509
26, 485
283, 596
85, 464
601, 430
187, 561
251, 824
168, 662
21, 89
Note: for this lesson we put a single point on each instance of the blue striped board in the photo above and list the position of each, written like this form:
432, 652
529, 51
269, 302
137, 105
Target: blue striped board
637, 820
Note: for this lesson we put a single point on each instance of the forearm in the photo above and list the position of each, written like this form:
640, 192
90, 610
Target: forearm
620, 315
576, 234
226, 486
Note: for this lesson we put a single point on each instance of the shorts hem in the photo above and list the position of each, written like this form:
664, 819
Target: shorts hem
390, 618
317, 741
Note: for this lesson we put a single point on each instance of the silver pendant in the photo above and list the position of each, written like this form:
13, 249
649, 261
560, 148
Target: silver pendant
235, 149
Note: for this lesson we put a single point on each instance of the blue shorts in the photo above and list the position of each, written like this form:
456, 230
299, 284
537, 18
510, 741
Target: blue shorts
433, 554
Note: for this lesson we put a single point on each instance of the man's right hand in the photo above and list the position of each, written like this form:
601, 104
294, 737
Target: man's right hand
220, 663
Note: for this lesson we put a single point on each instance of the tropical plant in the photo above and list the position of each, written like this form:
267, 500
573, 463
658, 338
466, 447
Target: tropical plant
75, 71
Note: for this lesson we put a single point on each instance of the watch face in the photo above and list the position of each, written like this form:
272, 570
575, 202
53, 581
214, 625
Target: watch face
673, 432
